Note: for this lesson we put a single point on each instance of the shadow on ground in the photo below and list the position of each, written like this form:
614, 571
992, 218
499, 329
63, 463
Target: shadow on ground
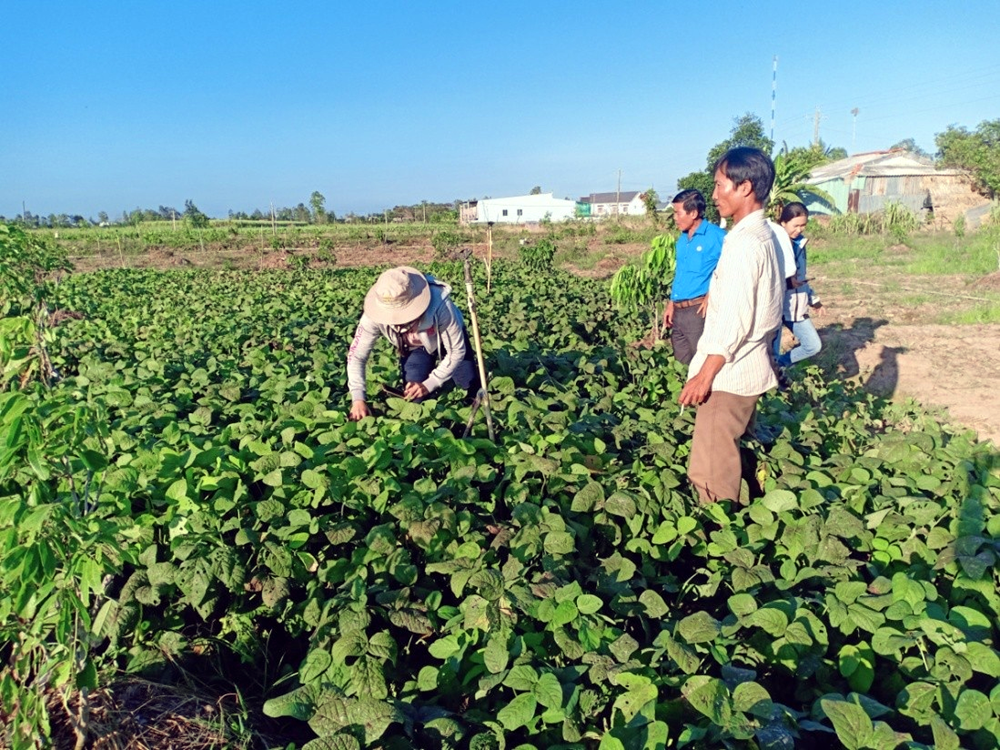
839, 357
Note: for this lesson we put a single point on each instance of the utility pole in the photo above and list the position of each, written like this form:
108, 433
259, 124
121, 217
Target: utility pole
854, 126
774, 93
618, 195
816, 127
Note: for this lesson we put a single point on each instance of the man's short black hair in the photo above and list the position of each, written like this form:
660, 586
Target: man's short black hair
746, 164
693, 200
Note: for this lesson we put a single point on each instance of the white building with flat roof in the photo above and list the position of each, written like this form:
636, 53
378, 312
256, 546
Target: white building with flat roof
520, 209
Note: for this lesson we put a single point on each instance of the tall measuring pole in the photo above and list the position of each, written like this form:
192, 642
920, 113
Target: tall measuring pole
816, 127
774, 93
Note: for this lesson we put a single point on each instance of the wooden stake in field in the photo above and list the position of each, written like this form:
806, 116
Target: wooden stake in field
483, 397
489, 255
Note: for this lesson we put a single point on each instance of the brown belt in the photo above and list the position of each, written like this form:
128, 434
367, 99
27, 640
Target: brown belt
689, 302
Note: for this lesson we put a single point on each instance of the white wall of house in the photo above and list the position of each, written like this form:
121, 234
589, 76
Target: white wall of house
600, 209
524, 209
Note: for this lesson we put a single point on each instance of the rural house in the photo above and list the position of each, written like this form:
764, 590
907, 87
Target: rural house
622, 203
865, 183
520, 209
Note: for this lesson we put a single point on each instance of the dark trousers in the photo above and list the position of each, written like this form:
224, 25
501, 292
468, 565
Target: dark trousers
417, 364
687, 329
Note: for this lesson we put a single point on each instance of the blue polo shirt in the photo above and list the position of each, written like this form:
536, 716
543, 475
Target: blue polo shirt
697, 257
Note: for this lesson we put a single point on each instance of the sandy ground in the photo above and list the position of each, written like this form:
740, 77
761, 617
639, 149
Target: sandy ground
954, 367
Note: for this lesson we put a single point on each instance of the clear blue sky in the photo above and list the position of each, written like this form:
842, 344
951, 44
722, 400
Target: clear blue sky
234, 105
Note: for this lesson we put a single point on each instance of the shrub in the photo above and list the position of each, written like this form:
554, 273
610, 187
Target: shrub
445, 242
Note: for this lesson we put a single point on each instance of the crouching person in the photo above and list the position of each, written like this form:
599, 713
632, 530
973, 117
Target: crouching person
415, 313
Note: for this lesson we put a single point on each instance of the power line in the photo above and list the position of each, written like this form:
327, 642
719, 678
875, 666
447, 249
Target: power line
903, 95
925, 86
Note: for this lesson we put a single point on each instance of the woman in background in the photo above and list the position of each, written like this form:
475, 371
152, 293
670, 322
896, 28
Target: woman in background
799, 296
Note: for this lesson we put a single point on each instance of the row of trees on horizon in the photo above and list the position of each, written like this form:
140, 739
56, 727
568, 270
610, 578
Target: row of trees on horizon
977, 151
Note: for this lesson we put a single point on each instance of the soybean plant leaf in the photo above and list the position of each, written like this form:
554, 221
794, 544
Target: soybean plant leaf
640, 692
653, 603
778, 501
521, 678
559, 543
917, 700
700, 627
496, 654
519, 712
620, 504
944, 737
368, 678
548, 691
742, 605
588, 604
589, 498
710, 697
983, 659
623, 647
339, 741
382, 646
972, 710
771, 621
752, 698
299, 704
853, 726
444, 648
316, 663
415, 622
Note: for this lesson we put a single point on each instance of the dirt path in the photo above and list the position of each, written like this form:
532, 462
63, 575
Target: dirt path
954, 367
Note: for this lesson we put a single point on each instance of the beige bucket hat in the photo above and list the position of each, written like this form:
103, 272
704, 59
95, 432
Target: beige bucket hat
401, 295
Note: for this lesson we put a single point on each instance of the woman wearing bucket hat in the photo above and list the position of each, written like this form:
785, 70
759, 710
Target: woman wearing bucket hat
415, 312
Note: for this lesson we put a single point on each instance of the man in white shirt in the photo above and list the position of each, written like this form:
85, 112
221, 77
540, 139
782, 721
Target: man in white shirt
732, 366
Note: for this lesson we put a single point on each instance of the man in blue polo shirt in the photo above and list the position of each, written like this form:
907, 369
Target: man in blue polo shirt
698, 250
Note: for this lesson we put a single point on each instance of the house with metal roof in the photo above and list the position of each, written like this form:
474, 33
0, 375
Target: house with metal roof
865, 183
618, 203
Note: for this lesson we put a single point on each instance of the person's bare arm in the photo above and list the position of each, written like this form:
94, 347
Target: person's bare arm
359, 410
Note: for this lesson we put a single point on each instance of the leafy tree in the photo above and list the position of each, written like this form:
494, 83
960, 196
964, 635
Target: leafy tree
978, 152
816, 154
649, 201
102, 217
909, 144
536, 190
748, 130
644, 285
317, 201
193, 216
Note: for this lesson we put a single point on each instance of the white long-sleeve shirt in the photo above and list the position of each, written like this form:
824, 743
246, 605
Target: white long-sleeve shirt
744, 309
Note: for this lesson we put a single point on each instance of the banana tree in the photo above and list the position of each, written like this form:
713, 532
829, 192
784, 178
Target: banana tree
790, 175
